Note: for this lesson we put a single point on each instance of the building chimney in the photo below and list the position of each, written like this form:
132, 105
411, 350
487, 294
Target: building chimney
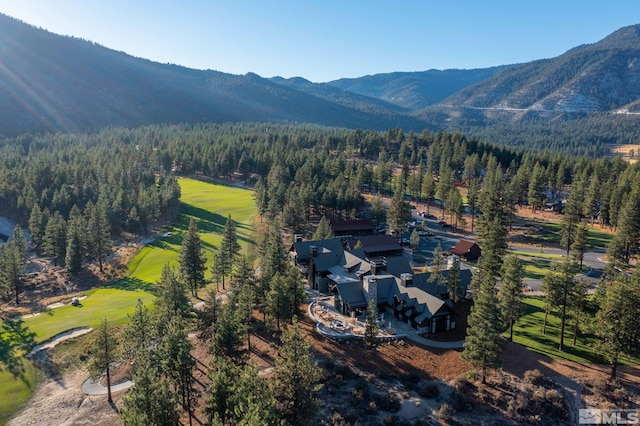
370, 287
313, 250
406, 280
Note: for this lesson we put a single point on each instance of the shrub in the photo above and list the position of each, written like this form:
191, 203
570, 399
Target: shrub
460, 401
429, 390
445, 413
534, 377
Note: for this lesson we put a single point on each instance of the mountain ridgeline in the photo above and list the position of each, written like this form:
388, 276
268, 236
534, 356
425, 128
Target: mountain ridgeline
57, 83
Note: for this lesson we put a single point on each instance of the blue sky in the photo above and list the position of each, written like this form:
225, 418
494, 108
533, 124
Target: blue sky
328, 39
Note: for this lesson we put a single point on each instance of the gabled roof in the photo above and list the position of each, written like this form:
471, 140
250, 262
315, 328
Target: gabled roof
302, 248
421, 281
379, 243
463, 247
351, 225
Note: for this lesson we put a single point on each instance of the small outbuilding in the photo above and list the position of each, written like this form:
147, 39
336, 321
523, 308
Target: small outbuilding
466, 250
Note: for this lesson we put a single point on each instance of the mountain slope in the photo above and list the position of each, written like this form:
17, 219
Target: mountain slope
414, 90
52, 83
599, 77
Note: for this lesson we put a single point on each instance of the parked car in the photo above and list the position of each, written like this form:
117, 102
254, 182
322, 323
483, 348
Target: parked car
425, 233
444, 224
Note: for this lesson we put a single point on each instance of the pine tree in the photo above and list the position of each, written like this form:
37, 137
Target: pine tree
243, 294
192, 259
579, 245
323, 230
139, 333
55, 238
99, 233
149, 401
37, 223
483, 344
278, 300
296, 378
399, 212
11, 261
228, 251
572, 214
618, 319
511, 292
172, 299
178, 364
74, 251
437, 267
103, 353
371, 328
456, 292
228, 336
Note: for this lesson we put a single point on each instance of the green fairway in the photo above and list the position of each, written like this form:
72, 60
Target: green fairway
528, 332
210, 204
549, 233
15, 392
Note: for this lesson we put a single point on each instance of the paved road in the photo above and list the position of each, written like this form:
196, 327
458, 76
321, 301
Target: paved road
447, 239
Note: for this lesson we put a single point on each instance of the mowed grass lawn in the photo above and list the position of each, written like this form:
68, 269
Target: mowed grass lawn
210, 204
528, 332
550, 233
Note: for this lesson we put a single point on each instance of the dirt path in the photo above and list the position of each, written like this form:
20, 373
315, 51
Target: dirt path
61, 402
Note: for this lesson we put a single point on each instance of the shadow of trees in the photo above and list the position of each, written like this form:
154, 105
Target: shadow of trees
15, 338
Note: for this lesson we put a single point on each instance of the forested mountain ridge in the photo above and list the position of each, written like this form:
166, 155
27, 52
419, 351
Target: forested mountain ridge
56, 83
599, 77
415, 90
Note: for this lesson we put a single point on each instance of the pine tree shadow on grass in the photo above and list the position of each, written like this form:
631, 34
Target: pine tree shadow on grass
14, 338
133, 284
207, 221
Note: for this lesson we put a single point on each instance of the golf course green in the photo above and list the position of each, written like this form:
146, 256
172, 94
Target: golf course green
209, 204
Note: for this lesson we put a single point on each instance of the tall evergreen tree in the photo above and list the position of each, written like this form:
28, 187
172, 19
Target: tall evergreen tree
149, 401
103, 353
172, 299
371, 327
192, 259
454, 287
99, 233
618, 319
483, 344
296, 378
178, 363
511, 292
11, 262
139, 333
75, 249
228, 336
323, 230
399, 212
228, 251
437, 267
55, 238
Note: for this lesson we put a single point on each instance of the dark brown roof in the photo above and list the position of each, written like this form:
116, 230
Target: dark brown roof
463, 247
351, 225
379, 243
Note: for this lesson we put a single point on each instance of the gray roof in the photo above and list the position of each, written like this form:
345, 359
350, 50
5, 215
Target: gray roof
422, 281
302, 248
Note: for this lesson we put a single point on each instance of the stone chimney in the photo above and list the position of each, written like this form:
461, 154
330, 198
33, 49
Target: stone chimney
313, 250
370, 287
406, 280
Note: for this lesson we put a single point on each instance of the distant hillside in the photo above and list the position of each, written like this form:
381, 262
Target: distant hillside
414, 90
53, 83
582, 100
599, 77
